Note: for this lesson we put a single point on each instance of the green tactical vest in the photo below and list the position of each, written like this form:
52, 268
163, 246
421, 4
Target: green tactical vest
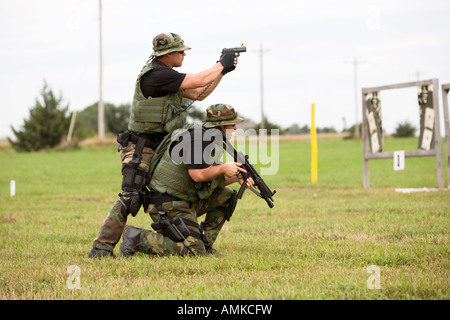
174, 179
147, 115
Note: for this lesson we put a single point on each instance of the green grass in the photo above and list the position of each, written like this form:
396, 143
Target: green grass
316, 243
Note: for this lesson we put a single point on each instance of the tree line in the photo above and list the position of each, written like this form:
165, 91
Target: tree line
49, 121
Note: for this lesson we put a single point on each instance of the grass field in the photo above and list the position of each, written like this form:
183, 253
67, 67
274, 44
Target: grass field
318, 242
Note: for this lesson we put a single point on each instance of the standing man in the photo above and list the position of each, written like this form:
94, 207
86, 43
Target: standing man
189, 181
156, 111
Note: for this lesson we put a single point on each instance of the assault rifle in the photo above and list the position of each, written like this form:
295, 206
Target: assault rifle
264, 190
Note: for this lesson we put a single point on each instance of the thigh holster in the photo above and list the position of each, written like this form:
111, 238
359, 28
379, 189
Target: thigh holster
232, 201
177, 229
134, 178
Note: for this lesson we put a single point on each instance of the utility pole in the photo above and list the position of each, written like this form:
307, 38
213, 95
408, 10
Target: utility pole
417, 74
355, 63
261, 53
101, 111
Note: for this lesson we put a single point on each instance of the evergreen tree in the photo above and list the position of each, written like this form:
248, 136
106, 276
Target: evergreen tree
116, 120
47, 124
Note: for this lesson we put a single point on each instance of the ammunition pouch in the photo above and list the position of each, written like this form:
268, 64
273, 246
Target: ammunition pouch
133, 178
232, 201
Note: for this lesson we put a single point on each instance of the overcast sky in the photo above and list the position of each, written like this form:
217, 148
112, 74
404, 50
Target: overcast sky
309, 47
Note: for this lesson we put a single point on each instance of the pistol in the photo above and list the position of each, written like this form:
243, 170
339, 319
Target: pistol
234, 50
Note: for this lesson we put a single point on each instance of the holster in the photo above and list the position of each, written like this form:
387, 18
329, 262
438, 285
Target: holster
134, 178
232, 202
177, 229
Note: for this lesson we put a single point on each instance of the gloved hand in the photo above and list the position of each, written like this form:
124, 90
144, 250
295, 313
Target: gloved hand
227, 60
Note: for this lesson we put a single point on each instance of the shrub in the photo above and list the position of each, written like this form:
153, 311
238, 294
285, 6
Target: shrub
404, 130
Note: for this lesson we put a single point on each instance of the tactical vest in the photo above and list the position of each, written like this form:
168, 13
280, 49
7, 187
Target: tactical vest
147, 115
174, 179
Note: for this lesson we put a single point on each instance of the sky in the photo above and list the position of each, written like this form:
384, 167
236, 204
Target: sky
308, 52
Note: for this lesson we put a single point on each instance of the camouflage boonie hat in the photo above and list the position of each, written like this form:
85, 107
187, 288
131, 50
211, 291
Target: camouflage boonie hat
167, 42
221, 114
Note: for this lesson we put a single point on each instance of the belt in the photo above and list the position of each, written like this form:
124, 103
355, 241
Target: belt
158, 198
150, 138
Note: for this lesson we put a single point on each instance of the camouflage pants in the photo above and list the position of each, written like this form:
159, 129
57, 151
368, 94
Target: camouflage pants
214, 209
112, 228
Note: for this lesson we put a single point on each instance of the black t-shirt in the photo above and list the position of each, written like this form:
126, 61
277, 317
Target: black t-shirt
198, 148
161, 81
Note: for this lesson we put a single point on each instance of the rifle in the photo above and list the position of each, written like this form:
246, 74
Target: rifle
264, 190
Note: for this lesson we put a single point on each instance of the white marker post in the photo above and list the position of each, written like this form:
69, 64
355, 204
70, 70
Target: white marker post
13, 188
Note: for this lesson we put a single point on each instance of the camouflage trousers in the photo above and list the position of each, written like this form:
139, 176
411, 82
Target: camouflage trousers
112, 228
213, 208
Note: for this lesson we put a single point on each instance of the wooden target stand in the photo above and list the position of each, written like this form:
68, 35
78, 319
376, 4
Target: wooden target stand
445, 90
429, 139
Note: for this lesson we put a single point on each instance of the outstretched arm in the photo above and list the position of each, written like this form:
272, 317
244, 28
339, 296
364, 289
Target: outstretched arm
197, 86
200, 85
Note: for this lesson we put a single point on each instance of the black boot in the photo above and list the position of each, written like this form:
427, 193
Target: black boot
100, 253
211, 250
131, 239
